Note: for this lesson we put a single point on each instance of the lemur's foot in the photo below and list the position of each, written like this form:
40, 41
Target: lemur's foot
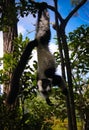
49, 102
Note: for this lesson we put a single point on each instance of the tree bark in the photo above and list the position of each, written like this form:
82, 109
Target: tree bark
70, 126
69, 76
9, 33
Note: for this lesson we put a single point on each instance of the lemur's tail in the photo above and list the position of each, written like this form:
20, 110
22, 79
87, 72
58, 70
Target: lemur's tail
18, 72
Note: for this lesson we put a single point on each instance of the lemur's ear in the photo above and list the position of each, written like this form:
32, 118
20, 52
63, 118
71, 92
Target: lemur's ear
39, 84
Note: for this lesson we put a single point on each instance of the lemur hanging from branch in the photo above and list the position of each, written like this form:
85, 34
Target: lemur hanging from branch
46, 77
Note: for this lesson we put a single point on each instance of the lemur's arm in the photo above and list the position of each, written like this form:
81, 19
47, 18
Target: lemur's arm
18, 72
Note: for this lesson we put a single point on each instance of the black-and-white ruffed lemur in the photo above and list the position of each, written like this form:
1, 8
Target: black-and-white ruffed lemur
46, 77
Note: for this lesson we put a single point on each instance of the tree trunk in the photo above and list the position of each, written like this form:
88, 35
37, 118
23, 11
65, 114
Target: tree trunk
66, 61
9, 33
70, 126
86, 127
69, 75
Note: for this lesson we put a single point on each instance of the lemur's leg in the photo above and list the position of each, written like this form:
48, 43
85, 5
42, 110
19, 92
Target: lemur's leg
18, 72
46, 96
57, 80
44, 87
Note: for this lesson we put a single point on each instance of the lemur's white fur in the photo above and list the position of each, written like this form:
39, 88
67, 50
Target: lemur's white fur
40, 88
39, 83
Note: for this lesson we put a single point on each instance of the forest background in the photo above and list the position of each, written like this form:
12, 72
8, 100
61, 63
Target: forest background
67, 113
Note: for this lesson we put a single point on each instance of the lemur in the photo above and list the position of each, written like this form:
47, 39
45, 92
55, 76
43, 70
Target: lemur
46, 77
46, 62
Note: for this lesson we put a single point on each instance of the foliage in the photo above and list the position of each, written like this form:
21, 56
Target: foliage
28, 81
6, 117
79, 57
24, 7
63, 23
16, 9
37, 115
41, 115
78, 44
32, 113
10, 61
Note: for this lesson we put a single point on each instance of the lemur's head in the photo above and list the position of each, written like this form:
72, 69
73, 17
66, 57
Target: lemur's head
44, 86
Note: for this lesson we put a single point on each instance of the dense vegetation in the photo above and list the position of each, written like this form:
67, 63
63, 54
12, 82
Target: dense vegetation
32, 112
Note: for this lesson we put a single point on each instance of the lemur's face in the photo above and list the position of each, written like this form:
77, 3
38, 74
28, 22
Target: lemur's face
44, 86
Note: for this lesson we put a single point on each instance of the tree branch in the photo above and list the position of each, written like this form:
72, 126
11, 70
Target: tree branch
38, 5
74, 10
57, 13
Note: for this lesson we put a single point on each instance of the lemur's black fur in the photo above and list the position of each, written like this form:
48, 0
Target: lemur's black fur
46, 63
